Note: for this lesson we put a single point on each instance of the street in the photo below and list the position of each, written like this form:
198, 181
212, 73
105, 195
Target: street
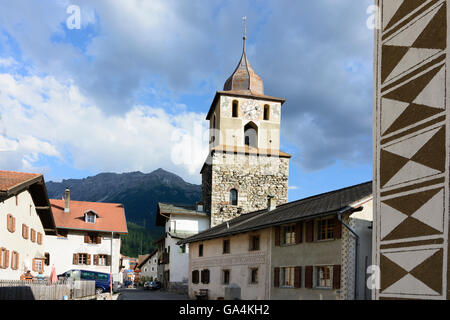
141, 294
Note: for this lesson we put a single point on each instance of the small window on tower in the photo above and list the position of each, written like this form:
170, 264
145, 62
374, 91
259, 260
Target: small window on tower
235, 108
266, 112
233, 197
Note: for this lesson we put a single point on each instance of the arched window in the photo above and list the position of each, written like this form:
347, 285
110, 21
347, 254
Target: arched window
233, 197
251, 135
266, 112
235, 108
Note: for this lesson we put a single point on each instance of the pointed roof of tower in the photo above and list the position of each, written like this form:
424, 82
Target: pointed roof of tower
244, 78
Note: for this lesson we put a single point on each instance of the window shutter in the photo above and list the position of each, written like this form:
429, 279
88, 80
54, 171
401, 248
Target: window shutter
88, 259
8, 222
337, 229
86, 238
299, 232
95, 259
6, 264
75, 258
108, 260
310, 231
297, 277
1, 258
207, 276
277, 236
337, 276
13, 224
309, 277
276, 277
99, 239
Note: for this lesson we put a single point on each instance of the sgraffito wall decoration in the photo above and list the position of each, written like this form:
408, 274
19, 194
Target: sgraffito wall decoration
411, 147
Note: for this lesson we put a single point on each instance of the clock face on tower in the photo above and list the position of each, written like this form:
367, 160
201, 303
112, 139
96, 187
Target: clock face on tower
252, 110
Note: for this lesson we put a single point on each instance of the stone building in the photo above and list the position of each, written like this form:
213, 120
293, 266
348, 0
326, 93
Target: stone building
297, 251
245, 164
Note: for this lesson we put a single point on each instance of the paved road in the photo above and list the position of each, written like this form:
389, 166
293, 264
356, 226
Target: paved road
141, 294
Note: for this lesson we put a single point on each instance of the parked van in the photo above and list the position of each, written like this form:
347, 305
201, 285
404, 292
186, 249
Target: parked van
102, 280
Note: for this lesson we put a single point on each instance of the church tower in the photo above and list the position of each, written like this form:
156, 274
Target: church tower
245, 166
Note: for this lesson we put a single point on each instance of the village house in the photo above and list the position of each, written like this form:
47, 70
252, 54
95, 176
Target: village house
149, 266
298, 250
25, 220
179, 222
88, 236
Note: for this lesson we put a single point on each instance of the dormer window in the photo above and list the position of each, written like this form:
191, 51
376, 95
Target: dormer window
90, 217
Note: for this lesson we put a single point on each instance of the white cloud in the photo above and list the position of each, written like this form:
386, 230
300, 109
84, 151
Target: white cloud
44, 117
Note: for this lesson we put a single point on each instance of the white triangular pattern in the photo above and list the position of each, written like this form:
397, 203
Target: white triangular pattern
413, 57
431, 213
411, 171
410, 285
390, 219
407, 37
389, 10
408, 260
434, 93
408, 148
390, 111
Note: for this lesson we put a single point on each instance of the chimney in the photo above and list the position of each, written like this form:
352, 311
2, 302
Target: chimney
67, 200
271, 203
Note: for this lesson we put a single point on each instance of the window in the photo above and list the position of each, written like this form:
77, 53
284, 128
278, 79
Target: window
287, 277
253, 275
226, 246
251, 135
235, 108
325, 229
38, 265
266, 112
33, 235
102, 260
101, 277
90, 217
10, 223
200, 250
82, 258
233, 197
288, 234
47, 258
183, 248
195, 276
14, 260
254, 243
205, 276
25, 231
225, 276
87, 275
92, 238
323, 277
39, 238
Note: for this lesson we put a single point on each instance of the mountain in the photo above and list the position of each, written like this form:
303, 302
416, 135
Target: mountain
138, 192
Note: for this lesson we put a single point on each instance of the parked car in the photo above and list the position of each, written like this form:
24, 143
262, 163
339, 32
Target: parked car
102, 280
152, 285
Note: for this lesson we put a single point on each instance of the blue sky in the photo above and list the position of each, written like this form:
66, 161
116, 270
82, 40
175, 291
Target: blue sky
129, 90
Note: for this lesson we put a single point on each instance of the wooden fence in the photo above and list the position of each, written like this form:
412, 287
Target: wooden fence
44, 290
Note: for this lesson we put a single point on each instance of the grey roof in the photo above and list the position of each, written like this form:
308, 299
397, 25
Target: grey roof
171, 208
319, 205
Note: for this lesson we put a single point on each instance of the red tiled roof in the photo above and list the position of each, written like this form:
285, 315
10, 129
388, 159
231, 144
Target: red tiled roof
111, 216
11, 179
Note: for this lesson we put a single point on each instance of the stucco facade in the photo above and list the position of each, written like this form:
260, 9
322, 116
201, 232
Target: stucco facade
62, 250
240, 261
22, 208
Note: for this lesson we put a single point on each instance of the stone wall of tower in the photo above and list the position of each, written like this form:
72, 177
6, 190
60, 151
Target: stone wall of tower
254, 177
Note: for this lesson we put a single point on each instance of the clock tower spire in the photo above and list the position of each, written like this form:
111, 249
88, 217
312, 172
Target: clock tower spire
245, 164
